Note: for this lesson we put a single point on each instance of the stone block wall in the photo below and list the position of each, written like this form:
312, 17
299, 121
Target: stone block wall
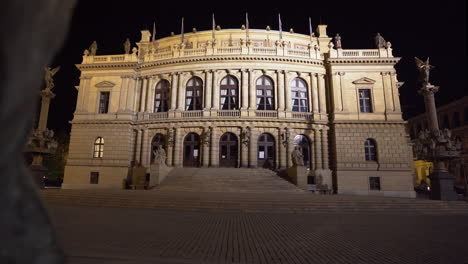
393, 164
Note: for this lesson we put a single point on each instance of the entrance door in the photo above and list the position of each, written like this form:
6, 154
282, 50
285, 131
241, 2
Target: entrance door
192, 150
228, 150
266, 151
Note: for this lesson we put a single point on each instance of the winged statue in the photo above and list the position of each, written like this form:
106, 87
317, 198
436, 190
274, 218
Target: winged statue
424, 69
48, 77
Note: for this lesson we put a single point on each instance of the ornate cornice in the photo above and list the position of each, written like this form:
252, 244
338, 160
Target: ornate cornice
363, 60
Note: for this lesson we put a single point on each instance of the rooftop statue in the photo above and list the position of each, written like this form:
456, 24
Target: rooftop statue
379, 41
48, 77
424, 69
127, 45
93, 48
338, 41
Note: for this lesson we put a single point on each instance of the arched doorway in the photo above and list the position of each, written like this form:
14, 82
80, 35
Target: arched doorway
192, 150
228, 153
303, 143
266, 151
158, 141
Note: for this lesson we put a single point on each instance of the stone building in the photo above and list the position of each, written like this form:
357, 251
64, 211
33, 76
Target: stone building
242, 99
453, 116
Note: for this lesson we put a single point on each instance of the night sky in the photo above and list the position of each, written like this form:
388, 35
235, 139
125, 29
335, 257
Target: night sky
415, 28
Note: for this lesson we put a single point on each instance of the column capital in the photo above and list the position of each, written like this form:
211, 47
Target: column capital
341, 73
384, 73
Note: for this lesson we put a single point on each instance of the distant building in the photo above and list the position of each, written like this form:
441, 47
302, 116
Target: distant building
453, 116
238, 102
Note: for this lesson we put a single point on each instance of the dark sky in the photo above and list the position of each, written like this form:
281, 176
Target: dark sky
416, 28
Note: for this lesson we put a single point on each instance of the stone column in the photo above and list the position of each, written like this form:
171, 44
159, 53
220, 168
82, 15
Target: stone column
144, 87
283, 163
123, 93
288, 93
145, 148
244, 89
281, 91
174, 86
206, 149
244, 151
181, 92
324, 135
82, 94
138, 147
131, 93
289, 148
208, 88
214, 147
177, 147
322, 95
253, 147
387, 92
151, 92
215, 91
252, 91
170, 147
314, 98
318, 149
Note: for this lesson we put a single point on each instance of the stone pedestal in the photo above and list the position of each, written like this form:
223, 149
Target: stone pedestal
158, 173
38, 172
138, 178
298, 175
442, 186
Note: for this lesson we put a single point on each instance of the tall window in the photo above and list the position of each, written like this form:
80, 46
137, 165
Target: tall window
370, 150
98, 147
365, 102
161, 96
229, 93
299, 95
265, 96
193, 94
104, 102
94, 177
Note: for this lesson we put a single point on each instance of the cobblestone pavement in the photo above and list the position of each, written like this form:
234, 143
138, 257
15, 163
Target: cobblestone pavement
92, 234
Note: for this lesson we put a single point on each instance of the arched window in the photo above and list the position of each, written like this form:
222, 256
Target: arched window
193, 94
456, 119
370, 150
229, 93
300, 102
265, 96
161, 96
98, 147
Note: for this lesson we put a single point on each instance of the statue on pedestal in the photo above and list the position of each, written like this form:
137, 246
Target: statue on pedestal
159, 156
48, 76
424, 69
338, 41
93, 48
297, 157
127, 45
379, 41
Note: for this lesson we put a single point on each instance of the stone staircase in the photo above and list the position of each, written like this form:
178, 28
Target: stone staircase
237, 180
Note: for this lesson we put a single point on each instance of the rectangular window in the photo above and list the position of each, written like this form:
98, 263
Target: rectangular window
104, 102
94, 177
365, 103
374, 183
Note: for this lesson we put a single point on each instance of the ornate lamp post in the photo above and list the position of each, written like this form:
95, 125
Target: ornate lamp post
434, 144
41, 142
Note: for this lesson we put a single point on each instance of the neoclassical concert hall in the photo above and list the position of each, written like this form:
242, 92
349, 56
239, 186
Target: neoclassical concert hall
236, 99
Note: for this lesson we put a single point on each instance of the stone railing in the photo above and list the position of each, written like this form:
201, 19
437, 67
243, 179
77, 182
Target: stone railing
302, 115
266, 113
230, 113
196, 113
171, 52
361, 53
160, 115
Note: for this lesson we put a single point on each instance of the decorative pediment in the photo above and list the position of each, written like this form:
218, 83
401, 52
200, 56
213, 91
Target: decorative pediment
364, 80
105, 84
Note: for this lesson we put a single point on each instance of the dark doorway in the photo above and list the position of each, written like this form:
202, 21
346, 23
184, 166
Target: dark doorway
303, 143
192, 150
228, 150
266, 151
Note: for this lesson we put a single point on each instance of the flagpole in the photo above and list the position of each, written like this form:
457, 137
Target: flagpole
182, 31
247, 25
310, 29
153, 37
280, 27
213, 27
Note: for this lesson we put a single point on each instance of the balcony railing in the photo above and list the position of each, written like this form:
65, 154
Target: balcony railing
160, 115
266, 113
302, 115
197, 113
228, 113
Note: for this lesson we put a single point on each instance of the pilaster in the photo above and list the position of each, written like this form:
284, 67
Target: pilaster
181, 92
208, 88
215, 90
318, 149
144, 88
206, 147
170, 146
174, 85
253, 147
145, 153
281, 90
244, 145
151, 92
214, 146
288, 92
123, 93
138, 147
324, 136
322, 95
177, 147
314, 94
